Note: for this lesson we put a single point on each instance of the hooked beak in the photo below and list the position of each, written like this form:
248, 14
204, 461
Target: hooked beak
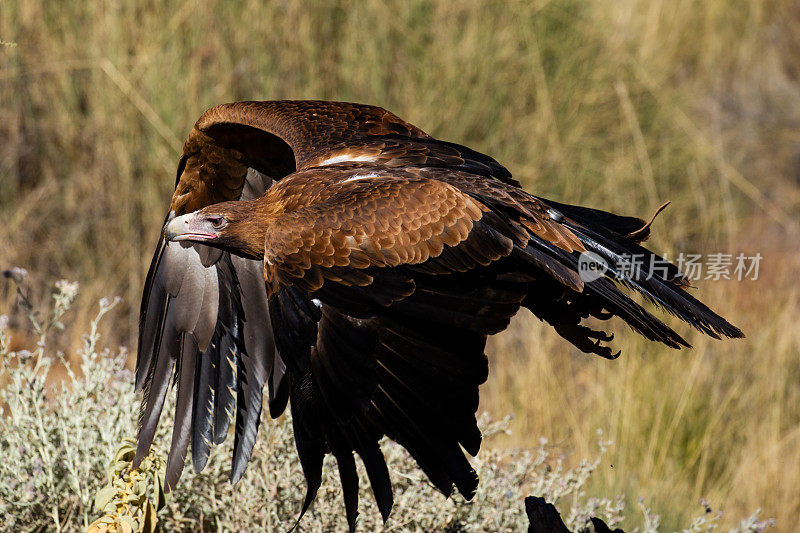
191, 227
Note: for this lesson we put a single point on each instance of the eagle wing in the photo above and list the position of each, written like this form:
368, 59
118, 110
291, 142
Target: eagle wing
382, 317
361, 222
384, 285
203, 311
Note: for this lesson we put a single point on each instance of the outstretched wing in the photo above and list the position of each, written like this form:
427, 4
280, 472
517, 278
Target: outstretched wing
381, 300
278, 138
204, 312
202, 318
384, 285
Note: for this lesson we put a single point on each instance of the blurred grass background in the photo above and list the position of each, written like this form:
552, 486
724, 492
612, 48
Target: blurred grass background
617, 105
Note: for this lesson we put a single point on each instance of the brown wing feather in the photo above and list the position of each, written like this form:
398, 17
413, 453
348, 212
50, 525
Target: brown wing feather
371, 221
281, 137
311, 128
395, 151
275, 138
533, 213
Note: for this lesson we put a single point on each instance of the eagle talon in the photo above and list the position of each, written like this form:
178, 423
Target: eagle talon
600, 335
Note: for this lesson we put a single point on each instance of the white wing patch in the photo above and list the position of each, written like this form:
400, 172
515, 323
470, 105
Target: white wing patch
343, 158
356, 177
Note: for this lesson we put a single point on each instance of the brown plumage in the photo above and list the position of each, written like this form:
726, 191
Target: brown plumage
355, 266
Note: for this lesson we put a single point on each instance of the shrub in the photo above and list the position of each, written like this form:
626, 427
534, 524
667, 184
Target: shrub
57, 438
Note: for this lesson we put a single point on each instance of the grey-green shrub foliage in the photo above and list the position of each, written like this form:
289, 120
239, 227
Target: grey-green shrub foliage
57, 439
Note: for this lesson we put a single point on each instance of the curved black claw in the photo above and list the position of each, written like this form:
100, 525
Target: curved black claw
600, 335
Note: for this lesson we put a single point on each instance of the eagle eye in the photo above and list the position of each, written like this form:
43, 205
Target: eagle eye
217, 221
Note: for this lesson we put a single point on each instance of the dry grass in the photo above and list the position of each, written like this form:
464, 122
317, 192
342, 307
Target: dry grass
718, 422
619, 105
